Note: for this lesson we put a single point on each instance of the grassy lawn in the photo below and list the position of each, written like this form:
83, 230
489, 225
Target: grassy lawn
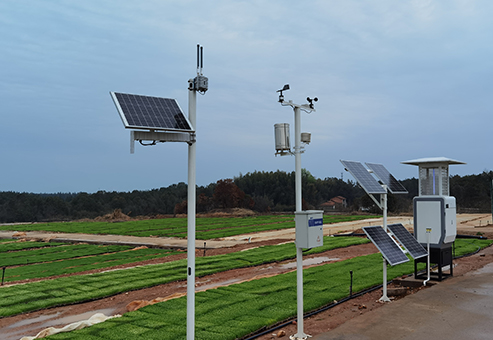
74, 289
206, 228
29, 260
227, 313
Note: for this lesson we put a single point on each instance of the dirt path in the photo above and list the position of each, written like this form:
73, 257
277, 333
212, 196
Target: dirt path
329, 229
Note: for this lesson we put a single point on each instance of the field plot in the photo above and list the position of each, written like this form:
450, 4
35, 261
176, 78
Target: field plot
222, 313
73, 289
206, 228
234, 311
29, 260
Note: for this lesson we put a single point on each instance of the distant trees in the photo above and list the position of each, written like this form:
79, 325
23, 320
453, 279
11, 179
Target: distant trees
261, 191
228, 195
472, 191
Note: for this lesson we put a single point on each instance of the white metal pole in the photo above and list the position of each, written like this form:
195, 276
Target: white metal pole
428, 231
297, 156
192, 108
383, 199
299, 251
384, 208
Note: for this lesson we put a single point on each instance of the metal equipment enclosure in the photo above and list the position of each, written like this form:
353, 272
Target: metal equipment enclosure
435, 211
439, 215
309, 228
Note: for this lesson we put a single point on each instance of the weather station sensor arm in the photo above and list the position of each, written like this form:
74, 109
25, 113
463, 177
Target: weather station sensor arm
308, 108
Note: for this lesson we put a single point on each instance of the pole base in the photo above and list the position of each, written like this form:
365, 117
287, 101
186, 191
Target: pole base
384, 299
300, 337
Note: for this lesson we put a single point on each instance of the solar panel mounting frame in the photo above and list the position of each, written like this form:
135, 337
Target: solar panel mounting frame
159, 114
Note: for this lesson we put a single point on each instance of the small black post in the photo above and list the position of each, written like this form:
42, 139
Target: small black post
351, 285
204, 248
3, 274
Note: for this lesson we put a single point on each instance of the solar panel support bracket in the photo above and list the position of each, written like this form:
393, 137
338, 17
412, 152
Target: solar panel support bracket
158, 136
164, 136
379, 204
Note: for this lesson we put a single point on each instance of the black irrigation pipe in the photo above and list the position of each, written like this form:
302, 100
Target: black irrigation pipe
267, 329
264, 330
472, 236
466, 255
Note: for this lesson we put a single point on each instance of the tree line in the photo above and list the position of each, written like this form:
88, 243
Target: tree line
264, 192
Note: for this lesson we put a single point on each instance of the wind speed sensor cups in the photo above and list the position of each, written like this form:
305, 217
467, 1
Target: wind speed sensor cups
311, 101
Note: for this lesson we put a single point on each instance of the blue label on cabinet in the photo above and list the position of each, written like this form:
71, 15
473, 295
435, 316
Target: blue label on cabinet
313, 222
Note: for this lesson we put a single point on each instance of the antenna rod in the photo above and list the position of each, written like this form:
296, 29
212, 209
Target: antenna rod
198, 65
201, 59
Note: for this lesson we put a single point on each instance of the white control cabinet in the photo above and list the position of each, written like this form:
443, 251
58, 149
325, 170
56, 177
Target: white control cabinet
309, 228
437, 213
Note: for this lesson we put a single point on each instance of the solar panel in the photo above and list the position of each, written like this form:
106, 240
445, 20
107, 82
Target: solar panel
363, 177
155, 113
386, 245
386, 177
405, 238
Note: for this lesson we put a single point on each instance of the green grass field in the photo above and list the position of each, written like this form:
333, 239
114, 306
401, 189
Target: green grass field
68, 290
222, 313
227, 313
30, 260
74, 289
206, 228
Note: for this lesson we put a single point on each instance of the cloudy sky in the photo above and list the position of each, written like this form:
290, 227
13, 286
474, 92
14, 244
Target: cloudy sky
396, 80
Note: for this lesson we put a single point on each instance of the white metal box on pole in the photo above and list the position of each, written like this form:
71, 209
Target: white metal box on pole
309, 228
439, 214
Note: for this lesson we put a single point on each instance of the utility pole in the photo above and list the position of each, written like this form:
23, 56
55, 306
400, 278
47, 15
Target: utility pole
198, 84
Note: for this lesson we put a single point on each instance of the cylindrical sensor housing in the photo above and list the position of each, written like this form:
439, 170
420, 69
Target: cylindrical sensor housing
281, 132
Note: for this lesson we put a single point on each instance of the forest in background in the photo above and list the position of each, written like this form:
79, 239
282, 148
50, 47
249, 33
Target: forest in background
263, 192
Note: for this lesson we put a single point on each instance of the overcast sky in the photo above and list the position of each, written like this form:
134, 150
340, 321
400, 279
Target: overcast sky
396, 80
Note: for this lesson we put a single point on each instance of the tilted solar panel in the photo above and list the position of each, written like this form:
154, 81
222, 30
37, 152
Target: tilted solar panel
386, 177
363, 177
415, 249
389, 249
154, 113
